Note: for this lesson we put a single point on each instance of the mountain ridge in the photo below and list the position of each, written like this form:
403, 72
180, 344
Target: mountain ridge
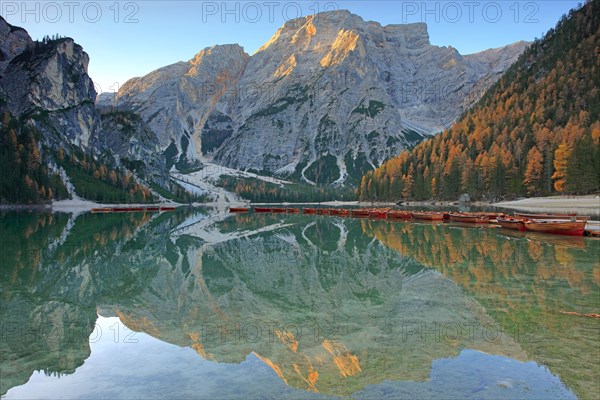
328, 92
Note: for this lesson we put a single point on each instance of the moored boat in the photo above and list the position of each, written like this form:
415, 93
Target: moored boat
292, 210
359, 213
513, 223
548, 216
310, 211
338, 212
556, 227
262, 209
238, 209
323, 211
167, 208
127, 209
102, 210
152, 208
428, 215
398, 214
377, 213
278, 210
469, 218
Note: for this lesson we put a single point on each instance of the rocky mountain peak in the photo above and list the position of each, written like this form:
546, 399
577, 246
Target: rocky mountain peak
328, 97
408, 35
224, 50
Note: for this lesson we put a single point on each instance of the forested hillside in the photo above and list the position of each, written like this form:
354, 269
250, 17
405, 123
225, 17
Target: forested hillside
535, 132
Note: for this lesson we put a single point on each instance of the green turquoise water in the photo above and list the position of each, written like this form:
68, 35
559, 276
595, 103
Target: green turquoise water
203, 304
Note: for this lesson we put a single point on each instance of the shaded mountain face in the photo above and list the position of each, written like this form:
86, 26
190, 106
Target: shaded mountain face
329, 92
47, 101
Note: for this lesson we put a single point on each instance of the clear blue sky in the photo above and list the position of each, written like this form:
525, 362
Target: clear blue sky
131, 38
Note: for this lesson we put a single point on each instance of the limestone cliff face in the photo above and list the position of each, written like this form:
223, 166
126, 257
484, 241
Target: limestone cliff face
48, 84
327, 92
47, 87
176, 100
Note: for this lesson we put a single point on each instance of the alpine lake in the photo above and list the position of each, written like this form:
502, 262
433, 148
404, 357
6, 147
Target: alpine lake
200, 303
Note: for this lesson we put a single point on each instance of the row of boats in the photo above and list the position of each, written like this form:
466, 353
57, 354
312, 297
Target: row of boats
560, 224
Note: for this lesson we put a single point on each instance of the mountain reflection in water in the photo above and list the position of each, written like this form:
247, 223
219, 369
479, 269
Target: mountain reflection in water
265, 305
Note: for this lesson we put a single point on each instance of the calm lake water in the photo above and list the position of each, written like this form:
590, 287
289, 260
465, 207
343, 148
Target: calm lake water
202, 304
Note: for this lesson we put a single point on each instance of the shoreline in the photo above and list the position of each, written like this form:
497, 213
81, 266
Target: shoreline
589, 203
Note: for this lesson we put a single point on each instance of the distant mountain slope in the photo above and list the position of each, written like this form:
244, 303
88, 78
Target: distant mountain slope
327, 98
535, 132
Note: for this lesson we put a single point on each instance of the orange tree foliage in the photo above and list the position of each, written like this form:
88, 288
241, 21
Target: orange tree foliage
549, 98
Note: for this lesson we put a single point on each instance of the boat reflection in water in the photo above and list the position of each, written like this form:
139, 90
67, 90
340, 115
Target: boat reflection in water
211, 304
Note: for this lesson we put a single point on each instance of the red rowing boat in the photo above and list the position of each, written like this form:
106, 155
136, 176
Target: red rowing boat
360, 213
399, 215
377, 213
571, 228
167, 208
428, 216
101, 210
545, 216
323, 211
292, 210
238, 209
310, 211
469, 218
261, 210
517, 224
340, 212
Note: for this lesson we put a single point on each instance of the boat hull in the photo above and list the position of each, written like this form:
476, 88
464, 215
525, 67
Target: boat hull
469, 219
428, 216
513, 224
576, 228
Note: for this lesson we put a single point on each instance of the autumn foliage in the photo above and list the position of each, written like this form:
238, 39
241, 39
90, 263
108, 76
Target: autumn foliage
535, 132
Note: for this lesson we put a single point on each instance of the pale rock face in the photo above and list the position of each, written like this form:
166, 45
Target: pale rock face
13, 41
328, 97
49, 82
176, 100
46, 84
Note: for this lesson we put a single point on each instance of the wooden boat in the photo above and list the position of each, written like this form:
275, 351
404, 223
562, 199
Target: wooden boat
547, 216
102, 210
167, 208
377, 214
278, 210
128, 209
323, 211
396, 214
262, 209
513, 223
428, 216
340, 212
238, 209
359, 213
492, 216
469, 218
556, 227
152, 208
310, 211
292, 210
